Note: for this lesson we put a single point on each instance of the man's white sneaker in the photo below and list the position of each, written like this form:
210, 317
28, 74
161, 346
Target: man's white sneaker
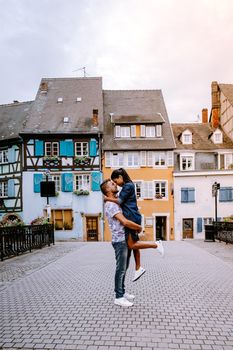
138, 273
129, 297
160, 247
123, 302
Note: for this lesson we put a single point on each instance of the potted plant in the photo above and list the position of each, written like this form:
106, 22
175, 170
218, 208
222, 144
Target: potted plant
51, 160
82, 160
81, 192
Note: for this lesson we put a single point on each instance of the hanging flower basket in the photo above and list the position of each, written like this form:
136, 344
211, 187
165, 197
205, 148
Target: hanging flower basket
82, 160
82, 192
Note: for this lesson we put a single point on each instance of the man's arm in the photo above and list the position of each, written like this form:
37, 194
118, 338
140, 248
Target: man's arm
127, 223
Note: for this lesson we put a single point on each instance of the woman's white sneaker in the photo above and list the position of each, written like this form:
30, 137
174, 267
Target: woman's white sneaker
129, 297
123, 302
160, 247
138, 273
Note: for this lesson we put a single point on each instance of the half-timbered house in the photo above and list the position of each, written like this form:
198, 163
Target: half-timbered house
62, 143
13, 117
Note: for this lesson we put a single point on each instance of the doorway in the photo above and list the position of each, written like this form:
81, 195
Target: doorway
161, 227
187, 228
92, 228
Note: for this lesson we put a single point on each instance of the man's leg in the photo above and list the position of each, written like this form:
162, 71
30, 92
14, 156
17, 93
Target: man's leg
121, 254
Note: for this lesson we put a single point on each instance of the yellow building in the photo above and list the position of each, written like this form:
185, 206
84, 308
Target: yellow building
138, 137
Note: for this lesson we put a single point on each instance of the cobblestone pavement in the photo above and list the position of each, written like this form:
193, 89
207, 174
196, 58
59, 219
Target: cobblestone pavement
184, 301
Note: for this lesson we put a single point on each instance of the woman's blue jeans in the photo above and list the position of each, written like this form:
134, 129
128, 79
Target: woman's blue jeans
121, 255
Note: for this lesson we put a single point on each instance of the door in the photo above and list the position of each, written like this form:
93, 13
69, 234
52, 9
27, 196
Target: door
187, 228
161, 227
92, 228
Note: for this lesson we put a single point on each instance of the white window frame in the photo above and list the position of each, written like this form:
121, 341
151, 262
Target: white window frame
162, 189
160, 158
217, 136
83, 149
187, 137
3, 189
147, 190
82, 182
138, 188
4, 156
143, 157
187, 157
125, 131
51, 149
159, 130
135, 159
133, 130
57, 180
149, 220
142, 130
150, 131
117, 159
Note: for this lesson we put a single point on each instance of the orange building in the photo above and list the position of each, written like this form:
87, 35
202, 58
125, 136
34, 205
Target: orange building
138, 137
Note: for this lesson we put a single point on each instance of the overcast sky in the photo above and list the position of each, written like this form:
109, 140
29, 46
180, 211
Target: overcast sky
179, 46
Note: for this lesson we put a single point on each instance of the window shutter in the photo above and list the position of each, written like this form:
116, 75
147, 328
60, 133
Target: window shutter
11, 188
151, 193
93, 148
170, 161
39, 148
149, 158
107, 159
191, 195
133, 130
37, 180
117, 131
199, 225
184, 195
67, 182
159, 130
96, 178
143, 158
66, 148
142, 130
148, 189
11, 155
225, 194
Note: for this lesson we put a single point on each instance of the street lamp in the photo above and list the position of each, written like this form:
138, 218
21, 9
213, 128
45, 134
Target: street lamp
215, 188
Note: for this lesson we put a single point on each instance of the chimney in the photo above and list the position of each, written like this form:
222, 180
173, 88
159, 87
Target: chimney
95, 121
44, 87
215, 114
204, 115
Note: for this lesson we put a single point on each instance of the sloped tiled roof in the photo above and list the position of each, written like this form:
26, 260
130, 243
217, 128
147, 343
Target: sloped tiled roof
128, 104
201, 137
227, 90
47, 114
13, 117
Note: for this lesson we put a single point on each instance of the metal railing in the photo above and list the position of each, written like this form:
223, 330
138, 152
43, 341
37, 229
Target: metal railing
223, 231
15, 240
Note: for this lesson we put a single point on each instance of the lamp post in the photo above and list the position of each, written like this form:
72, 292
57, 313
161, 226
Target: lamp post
215, 188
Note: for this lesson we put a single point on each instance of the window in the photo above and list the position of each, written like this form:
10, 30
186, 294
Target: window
158, 130
3, 156
117, 159
148, 222
187, 137
3, 189
217, 136
57, 180
62, 219
208, 221
187, 195
160, 158
160, 189
186, 162
82, 182
81, 148
122, 131
150, 131
226, 194
133, 159
51, 149
148, 190
138, 188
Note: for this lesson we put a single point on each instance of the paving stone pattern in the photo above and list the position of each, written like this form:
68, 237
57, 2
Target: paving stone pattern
184, 301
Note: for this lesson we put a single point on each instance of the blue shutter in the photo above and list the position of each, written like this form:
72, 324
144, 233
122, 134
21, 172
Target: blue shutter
67, 148
39, 148
93, 148
199, 224
11, 155
11, 188
184, 195
37, 180
67, 182
96, 177
191, 195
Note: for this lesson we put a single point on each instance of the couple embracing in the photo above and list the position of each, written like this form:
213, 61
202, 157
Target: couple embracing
124, 221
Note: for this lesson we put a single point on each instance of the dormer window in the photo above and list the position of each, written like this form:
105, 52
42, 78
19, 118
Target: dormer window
217, 136
66, 120
186, 137
60, 100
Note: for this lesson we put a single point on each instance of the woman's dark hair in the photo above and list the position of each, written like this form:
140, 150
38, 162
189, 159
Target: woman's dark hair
121, 172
